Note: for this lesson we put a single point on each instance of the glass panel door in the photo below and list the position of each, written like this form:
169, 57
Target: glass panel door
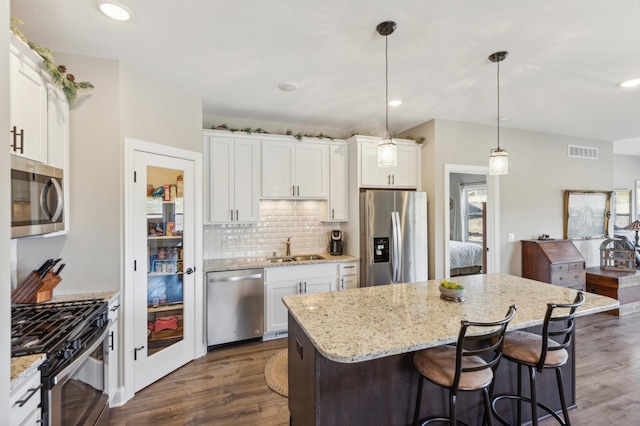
165, 265
164, 317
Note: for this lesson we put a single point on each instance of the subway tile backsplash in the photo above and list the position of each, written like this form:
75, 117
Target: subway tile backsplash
300, 220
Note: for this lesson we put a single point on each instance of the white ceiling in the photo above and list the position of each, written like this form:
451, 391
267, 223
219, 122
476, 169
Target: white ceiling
566, 58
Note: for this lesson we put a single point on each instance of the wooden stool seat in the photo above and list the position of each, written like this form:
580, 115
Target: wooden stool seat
438, 365
526, 347
537, 352
468, 366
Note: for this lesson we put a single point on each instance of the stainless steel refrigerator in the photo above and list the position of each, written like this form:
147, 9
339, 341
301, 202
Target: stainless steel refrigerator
393, 237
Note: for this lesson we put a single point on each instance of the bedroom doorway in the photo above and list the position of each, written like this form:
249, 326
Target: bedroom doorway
471, 228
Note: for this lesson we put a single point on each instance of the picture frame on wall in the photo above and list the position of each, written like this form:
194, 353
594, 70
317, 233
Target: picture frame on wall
586, 214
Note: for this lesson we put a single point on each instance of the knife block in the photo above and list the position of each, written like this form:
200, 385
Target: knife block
36, 289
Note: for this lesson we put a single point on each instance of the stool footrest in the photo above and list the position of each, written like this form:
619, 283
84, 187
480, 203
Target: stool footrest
430, 420
524, 399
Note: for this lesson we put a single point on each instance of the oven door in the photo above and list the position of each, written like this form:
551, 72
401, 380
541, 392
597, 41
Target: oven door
79, 395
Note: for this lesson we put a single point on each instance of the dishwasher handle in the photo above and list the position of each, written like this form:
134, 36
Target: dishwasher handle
236, 278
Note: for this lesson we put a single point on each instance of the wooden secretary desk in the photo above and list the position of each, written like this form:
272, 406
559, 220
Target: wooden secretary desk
555, 262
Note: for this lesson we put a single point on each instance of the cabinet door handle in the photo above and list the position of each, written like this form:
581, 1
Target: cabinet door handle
236, 215
388, 179
298, 190
115, 308
293, 190
393, 179
231, 215
111, 340
333, 213
14, 145
300, 287
305, 287
341, 283
349, 267
28, 395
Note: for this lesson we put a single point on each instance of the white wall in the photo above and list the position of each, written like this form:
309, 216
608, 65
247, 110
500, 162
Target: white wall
124, 103
626, 171
279, 219
5, 225
91, 250
531, 195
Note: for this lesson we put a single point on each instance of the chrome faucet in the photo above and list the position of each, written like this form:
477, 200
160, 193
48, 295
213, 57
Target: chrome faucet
288, 247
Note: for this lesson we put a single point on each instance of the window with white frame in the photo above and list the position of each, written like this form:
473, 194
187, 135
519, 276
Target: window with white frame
473, 197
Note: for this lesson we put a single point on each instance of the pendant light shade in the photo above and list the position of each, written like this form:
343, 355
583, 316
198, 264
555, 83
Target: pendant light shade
499, 159
387, 150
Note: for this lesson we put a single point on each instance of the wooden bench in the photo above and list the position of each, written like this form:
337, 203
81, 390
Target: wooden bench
621, 285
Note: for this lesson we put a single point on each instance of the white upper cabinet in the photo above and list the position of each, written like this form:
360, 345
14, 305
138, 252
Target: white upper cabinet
233, 173
293, 170
339, 184
404, 175
27, 103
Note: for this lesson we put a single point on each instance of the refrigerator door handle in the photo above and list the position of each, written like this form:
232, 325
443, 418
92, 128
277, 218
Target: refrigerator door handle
398, 248
396, 255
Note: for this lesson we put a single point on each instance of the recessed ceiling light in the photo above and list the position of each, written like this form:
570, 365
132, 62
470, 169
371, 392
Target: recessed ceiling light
115, 11
395, 102
630, 83
288, 87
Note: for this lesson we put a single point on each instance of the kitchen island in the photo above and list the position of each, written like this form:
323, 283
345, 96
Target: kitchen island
350, 352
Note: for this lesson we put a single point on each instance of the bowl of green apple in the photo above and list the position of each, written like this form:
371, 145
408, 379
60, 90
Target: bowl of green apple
451, 291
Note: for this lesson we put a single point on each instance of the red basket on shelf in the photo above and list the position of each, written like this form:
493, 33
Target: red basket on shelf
166, 323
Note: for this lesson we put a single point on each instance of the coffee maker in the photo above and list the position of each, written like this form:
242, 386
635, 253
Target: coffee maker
336, 243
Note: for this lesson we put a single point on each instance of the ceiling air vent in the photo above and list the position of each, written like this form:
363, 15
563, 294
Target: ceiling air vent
583, 152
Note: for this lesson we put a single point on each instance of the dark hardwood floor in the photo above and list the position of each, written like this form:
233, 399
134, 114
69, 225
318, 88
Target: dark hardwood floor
227, 387
224, 387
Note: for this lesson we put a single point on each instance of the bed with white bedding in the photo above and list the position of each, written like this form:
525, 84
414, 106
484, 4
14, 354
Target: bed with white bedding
465, 258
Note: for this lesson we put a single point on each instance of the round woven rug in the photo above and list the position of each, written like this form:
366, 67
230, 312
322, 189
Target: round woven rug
276, 373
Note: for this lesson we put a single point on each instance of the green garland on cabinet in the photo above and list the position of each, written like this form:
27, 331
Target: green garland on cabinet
298, 136
65, 81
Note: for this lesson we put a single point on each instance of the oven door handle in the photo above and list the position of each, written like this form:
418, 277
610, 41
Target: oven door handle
74, 365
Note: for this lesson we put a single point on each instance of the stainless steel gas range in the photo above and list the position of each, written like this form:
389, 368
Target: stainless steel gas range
73, 335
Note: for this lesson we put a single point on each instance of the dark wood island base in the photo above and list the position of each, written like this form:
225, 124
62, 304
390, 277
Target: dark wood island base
383, 391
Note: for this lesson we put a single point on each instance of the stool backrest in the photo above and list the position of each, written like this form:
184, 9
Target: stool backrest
558, 327
473, 340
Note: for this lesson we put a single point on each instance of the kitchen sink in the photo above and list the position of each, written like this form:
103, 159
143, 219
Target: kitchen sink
280, 259
308, 257
300, 258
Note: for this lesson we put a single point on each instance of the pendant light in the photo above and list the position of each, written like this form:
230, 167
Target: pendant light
387, 150
499, 159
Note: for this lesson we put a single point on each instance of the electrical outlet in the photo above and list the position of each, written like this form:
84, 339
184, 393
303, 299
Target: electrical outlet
511, 237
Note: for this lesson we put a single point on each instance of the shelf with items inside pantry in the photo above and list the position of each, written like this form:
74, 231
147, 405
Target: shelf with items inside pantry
165, 267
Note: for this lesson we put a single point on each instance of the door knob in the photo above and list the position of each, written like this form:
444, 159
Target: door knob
190, 271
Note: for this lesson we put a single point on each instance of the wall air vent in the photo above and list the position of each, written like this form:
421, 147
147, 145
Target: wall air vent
583, 152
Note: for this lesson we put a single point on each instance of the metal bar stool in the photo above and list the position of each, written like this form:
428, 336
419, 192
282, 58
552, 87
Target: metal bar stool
468, 366
537, 352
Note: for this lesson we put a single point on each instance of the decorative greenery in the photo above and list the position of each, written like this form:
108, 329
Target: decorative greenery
65, 81
298, 136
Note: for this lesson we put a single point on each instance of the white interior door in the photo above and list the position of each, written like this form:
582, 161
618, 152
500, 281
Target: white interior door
164, 249
492, 236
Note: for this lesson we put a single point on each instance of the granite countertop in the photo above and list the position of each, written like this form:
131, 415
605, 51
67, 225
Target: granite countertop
22, 366
373, 322
106, 295
217, 265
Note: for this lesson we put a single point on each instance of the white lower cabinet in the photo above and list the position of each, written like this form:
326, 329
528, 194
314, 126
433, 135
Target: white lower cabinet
347, 276
114, 349
24, 402
288, 281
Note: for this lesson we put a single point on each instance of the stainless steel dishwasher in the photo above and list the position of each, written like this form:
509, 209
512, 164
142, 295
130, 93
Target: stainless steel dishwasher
235, 306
